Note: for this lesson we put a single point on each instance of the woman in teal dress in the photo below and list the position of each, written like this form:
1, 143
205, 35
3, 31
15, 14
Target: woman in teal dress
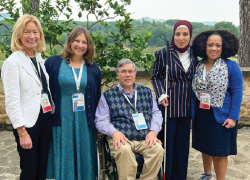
75, 82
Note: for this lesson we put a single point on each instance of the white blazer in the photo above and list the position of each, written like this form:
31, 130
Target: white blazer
22, 89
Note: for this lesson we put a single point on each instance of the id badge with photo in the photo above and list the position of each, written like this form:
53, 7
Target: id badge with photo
139, 120
45, 103
78, 102
204, 101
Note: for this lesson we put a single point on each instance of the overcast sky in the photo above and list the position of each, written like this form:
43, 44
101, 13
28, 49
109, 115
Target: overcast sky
192, 10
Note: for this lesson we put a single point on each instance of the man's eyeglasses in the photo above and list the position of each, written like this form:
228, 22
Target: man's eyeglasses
124, 72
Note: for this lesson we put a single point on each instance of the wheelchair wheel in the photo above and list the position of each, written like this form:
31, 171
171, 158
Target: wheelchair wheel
101, 159
114, 174
160, 174
103, 169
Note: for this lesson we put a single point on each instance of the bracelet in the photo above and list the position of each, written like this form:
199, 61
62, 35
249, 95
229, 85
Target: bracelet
21, 129
21, 135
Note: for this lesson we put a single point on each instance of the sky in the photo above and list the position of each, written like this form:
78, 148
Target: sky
191, 10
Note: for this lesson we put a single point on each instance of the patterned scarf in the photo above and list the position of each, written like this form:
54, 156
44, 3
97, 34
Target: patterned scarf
214, 82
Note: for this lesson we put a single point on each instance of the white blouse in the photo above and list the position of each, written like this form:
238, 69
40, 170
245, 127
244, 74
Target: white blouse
185, 59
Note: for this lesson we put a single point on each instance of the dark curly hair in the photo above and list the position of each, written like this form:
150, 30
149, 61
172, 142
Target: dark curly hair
230, 43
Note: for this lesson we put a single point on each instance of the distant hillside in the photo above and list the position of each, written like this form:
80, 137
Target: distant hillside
150, 19
212, 23
5, 15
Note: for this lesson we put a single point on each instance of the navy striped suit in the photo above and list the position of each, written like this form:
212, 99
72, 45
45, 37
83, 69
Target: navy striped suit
179, 82
178, 110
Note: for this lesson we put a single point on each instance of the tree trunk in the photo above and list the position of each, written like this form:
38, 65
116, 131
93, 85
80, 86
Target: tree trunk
244, 49
34, 4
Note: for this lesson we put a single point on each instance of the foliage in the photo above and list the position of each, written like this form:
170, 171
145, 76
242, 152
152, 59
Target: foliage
48, 16
171, 22
227, 26
55, 31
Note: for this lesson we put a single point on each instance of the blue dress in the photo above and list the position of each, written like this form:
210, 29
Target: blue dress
210, 137
73, 150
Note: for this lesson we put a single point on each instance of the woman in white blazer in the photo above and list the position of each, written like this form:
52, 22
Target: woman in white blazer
27, 97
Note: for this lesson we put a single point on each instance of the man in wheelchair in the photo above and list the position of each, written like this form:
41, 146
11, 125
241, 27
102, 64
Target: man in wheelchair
129, 116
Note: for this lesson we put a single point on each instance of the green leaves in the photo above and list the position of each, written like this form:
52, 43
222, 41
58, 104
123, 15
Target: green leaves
80, 14
227, 26
110, 46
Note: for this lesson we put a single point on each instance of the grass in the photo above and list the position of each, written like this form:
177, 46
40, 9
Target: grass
2, 56
151, 50
233, 58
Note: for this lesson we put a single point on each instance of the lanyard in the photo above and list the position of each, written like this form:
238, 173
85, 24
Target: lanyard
38, 67
130, 102
77, 80
38, 74
204, 73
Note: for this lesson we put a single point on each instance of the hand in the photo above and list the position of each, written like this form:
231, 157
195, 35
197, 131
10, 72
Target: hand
164, 102
151, 139
25, 141
229, 123
118, 137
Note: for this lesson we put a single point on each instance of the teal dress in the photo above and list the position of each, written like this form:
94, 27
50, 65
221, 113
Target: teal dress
72, 153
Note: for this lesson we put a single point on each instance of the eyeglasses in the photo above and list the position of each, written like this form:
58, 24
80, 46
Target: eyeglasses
124, 72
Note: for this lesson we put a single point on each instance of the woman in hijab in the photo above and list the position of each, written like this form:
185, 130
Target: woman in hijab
176, 101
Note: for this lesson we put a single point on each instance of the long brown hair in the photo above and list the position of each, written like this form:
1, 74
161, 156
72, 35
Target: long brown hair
67, 51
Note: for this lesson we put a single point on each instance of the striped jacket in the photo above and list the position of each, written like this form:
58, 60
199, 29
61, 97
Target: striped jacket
179, 82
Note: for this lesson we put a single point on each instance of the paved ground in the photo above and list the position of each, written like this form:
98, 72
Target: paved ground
238, 168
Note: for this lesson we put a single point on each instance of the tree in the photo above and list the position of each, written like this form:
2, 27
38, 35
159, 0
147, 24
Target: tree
197, 25
171, 22
227, 26
244, 51
125, 45
34, 6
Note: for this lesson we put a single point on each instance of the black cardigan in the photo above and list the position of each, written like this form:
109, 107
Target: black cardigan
92, 92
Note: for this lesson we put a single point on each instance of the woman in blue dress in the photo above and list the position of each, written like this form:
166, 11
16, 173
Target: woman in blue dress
75, 82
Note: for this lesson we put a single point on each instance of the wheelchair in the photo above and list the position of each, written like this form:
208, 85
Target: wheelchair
106, 163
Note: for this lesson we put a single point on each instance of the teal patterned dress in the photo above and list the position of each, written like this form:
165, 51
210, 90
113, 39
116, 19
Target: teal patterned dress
73, 150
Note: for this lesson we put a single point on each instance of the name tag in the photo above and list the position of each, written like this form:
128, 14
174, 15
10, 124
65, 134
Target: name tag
78, 102
204, 101
139, 121
45, 103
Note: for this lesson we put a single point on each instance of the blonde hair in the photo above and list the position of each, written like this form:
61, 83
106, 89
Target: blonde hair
67, 51
16, 44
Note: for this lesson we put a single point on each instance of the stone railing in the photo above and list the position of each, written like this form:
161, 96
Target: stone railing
5, 123
143, 78
245, 106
